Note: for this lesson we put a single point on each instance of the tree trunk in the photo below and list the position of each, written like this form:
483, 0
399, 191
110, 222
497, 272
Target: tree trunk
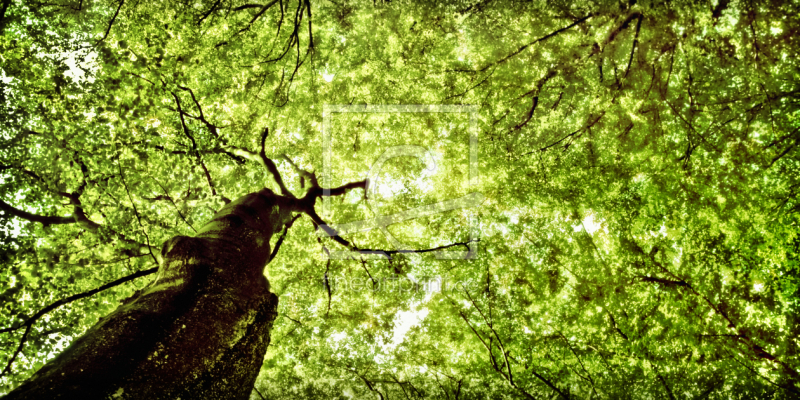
198, 331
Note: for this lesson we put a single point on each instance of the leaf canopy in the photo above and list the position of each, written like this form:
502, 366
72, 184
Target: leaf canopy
638, 162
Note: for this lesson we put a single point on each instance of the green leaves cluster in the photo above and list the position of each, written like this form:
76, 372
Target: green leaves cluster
639, 162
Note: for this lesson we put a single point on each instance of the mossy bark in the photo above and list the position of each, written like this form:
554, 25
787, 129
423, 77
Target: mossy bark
200, 330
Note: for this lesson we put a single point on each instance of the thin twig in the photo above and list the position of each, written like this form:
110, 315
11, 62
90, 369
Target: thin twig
180, 214
136, 212
541, 39
194, 145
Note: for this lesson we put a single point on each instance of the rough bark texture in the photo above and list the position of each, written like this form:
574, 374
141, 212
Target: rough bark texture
198, 331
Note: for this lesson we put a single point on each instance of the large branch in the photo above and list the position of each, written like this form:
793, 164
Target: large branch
262, 159
28, 324
45, 220
262, 11
321, 224
79, 215
306, 205
270, 165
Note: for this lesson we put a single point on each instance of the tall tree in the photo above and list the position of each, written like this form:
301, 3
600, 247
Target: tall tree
637, 234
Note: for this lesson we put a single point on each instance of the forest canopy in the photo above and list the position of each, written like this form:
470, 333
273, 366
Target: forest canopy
617, 186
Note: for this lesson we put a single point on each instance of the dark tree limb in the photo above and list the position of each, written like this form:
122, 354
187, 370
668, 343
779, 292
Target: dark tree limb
45, 220
168, 197
591, 124
14, 356
749, 368
194, 145
321, 224
28, 323
38, 179
246, 6
488, 322
327, 280
263, 10
588, 374
624, 25
486, 78
136, 212
749, 343
312, 177
785, 151
369, 384
341, 190
74, 197
635, 42
210, 10
283, 236
310, 33
364, 265
3, 10
213, 129
666, 282
111, 23
306, 204
32, 320
664, 383
78, 216
267, 162
389, 253
614, 325
291, 319
535, 91
496, 366
541, 39
397, 381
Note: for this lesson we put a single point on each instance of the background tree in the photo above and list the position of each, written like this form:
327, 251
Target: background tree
638, 160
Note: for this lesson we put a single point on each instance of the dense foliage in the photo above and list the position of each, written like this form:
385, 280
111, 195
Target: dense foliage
638, 162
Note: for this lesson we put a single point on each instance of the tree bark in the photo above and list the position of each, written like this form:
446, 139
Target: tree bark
200, 330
